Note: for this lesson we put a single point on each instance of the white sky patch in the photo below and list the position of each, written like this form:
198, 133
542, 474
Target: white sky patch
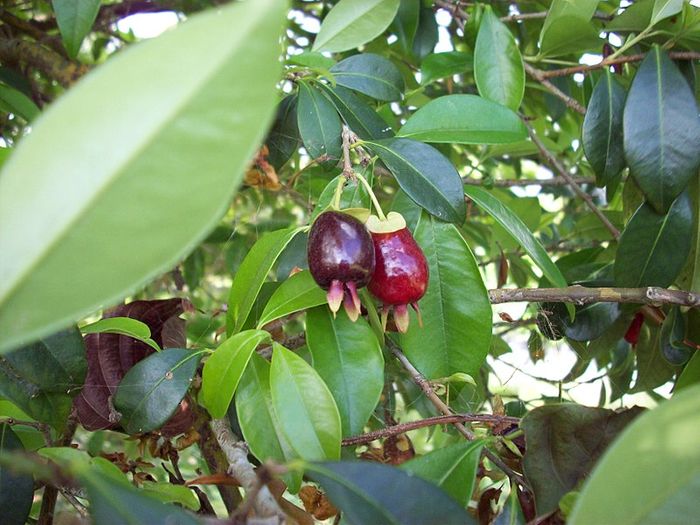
148, 25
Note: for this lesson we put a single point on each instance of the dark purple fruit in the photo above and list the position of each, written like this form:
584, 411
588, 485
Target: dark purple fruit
341, 259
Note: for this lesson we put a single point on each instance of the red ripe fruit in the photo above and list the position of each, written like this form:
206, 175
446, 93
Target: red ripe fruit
401, 271
632, 334
341, 259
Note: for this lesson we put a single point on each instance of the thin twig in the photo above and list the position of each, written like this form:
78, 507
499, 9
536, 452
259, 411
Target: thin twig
427, 422
41, 427
556, 181
581, 295
554, 90
348, 172
562, 72
559, 167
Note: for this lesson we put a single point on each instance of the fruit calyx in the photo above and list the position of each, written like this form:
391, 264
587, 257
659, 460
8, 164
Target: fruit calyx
341, 259
400, 275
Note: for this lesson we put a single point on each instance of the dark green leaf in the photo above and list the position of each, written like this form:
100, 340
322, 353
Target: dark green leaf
169, 493
652, 472
132, 181
590, 322
635, 17
299, 292
425, 175
14, 101
75, 19
452, 468
661, 130
455, 308
16, 490
691, 373
357, 114
258, 420
652, 368
564, 441
383, 495
307, 413
664, 9
151, 391
568, 29
252, 274
465, 119
498, 66
672, 336
653, 248
602, 129
405, 24
319, 124
427, 33
351, 23
441, 65
348, 358
371, 74
224, 368
283, 140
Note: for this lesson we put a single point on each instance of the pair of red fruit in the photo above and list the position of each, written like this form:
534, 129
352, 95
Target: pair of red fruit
344, 255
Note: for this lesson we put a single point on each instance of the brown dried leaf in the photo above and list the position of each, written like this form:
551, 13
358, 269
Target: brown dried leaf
316, 503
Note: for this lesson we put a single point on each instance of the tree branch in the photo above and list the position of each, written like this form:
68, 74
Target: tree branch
510, 183
562, 72
559, 167
45, 60
427, 422
571, 102
581, 295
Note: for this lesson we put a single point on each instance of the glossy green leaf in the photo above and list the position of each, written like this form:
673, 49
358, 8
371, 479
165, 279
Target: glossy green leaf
498, 66
283, 140
690, 374
464, 119
568, 27
664, 9
661, 128
132, 181
405, 24
31, 438
353, 195
427, 33
455, 307
653, 248
370, 74
319, 124
517, 229
425, 175
307, 413
452, 468
351, 23
151, 391
441, 65
564, 441
41, 378
602, 129
380, 494
651, 474
349, 359
357, 114
653, 370
123, 326
14, 101
224, 368
251, 275
311, 59
169, 493
16, 490
259, 422
75, 19
635, 17
297, 293
672, 336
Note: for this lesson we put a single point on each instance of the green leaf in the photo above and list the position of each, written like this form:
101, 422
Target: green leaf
517, 229
123, 326
651, 474
653, 248
297, 293
602, 129
14, 101
349, 359
351, 23
224, 368
690, 374
635, 17
498, 66
455, 307
151, 391
357, 114
169, 493
370, 74
441, 65
379, 494
307, 413
405, 24
652, 368
311, 59
425, 175
319, 124
259, 422
661, 127
127, 182
16, 490
564, 441
452, 468
665, 9
465, 119
75, 19
283, 139
568, 28
354, 195
251, 275
41, 378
